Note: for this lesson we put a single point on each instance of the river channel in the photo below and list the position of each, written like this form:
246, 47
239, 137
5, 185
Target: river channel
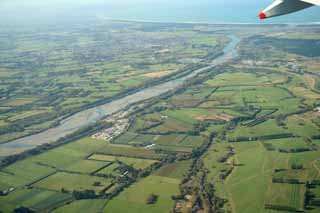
92, 115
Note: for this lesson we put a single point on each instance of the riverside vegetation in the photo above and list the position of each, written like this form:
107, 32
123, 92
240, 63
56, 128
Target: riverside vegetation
242, 137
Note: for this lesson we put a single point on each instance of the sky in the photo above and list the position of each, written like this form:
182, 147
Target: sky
212, 11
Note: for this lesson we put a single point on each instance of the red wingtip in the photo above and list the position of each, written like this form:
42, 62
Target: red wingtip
262, 15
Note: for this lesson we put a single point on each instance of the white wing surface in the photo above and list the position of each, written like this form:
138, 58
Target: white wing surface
315, 2
282, 7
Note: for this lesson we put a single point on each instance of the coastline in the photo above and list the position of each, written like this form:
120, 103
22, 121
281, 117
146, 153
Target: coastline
208, 22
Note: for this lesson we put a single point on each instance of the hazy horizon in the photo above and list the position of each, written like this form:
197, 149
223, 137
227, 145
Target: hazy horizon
209, 11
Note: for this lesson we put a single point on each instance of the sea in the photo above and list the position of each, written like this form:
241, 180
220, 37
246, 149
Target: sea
187, 11
204, 11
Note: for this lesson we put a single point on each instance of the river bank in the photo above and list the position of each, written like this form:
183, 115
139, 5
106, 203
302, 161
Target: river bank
91, 116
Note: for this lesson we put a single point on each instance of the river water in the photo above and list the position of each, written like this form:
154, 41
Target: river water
92, 115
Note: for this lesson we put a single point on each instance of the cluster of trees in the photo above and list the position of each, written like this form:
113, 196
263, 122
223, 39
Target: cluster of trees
159, 108
199, 151
305, 47
152, 124
314, 182
170, 158
279, 170
152, 199
204, 198
257, 121
283, 180
86, 194
32, 120
195, 183
280, 208
224, 158
269, 146
198, 127
263, 137
280, 120
297, 166
315, 203
296, 150
116, 191
132, 175
225, 173
316, 137
310, 198
23, 209
108, 176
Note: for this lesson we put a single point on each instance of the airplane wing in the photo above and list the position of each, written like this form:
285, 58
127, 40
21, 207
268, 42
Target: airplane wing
315, 2
282, 7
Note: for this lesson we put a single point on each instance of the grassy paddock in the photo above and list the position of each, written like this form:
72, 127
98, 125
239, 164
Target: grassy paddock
40, 200
135, 162
136, 196
62, 180
82, 206
174, 170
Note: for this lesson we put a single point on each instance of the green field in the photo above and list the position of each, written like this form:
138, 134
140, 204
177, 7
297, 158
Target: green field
88, 75
174, 170
34, 198
189, 115
239, 137
255, 167
170, 140
124, 150
85, 166
125, 138
136, 195
164, 183
23, 173
288, 144
267, 128
192, 141
70, 182
112, 169
290, 195
134, 162
82, 206
302, 127
171, 125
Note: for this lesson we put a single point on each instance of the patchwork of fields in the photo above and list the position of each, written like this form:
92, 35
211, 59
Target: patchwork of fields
66, 69
243, 137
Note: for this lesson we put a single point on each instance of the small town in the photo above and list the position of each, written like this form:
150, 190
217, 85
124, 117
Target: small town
110, 133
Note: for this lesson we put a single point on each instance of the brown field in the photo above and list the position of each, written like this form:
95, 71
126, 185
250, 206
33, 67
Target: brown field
313, 65
224, 117
159, 74
310, 80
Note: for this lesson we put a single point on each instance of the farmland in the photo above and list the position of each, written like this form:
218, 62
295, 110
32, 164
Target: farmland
241, 137
36, 199
82, 206
72, 182
137, 194
164, 183
268, 172
134, 162
75, 72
